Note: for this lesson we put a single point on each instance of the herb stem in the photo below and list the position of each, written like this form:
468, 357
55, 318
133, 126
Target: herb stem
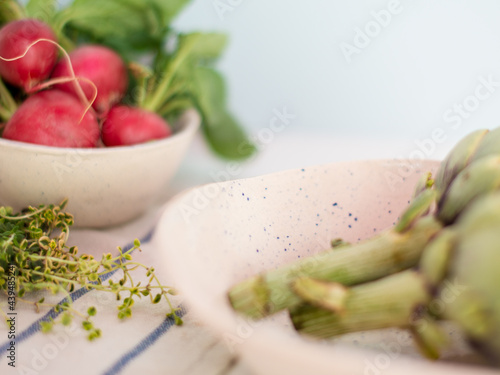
54, 277
22, 217
54, 259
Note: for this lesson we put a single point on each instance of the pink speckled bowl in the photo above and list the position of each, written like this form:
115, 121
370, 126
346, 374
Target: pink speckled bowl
215, 235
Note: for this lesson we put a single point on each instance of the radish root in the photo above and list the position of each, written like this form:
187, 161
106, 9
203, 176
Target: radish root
72, 78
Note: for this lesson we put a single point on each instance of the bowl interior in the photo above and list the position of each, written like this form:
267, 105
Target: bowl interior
216, 235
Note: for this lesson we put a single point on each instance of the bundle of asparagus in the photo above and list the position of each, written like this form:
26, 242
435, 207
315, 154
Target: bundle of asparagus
446, 235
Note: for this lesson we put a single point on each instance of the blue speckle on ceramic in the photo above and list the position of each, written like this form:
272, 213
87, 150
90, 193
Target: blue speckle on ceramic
232, 238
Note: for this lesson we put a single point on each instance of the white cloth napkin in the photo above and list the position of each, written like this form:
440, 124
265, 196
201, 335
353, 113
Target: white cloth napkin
147, 343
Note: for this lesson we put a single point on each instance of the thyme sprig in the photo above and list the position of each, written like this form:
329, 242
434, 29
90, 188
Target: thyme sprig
33, 243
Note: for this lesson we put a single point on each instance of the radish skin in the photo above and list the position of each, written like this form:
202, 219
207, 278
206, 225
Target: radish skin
131, 125
37, 63
103, 67
53, 118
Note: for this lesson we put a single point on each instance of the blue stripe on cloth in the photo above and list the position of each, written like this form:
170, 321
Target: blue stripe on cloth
52, 314
144, 344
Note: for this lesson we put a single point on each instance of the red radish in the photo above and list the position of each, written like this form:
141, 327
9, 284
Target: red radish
103, 67
130, 125
53, 118
37, 64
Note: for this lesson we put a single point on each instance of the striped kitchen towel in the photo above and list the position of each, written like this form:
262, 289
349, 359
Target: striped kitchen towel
146, 343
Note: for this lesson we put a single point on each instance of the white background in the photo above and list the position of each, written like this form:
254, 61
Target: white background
386, 100
393, 93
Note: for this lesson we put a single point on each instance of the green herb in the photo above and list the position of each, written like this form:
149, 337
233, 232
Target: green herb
33, 247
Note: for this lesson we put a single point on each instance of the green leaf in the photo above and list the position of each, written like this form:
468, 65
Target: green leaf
169, 9
223, 133
87, 325
128, 302
95, 334
178, 321
207, 46
91, 311
10, 10
41, 9
228, 139
125, 25
122, 25
210, 94
46, 326
125, 313
66, 319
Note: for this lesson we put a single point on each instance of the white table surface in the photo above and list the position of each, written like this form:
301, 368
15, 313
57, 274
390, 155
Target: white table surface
297, 149
191, 348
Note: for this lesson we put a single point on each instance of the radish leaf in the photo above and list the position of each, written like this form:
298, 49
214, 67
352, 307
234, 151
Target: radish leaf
10, 10
41, 9
222, 131
208, 46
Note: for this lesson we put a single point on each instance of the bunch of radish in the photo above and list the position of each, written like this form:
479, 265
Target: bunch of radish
70, 100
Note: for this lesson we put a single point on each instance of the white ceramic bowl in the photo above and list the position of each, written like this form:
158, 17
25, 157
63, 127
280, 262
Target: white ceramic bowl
215, 235
105, 186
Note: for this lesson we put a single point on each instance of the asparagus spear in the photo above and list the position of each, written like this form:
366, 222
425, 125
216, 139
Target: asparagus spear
388, 253
470, 162
349, 264
458, 269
